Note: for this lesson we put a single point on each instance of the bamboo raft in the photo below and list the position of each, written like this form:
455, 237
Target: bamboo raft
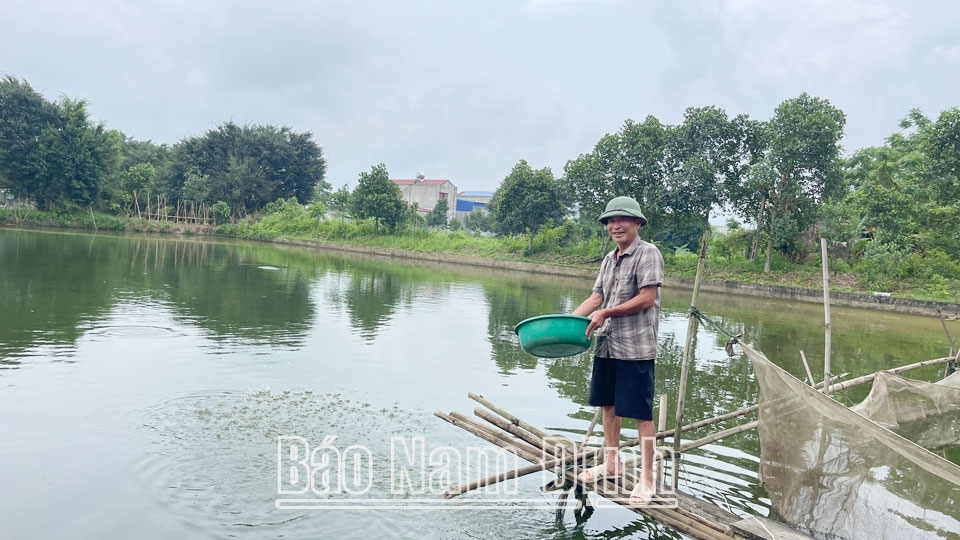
680, 511
683, 512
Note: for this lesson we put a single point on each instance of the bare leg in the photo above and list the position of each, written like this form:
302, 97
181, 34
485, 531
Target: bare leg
611, 440
647, 438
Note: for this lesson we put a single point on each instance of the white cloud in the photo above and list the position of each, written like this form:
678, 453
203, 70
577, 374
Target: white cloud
464, 90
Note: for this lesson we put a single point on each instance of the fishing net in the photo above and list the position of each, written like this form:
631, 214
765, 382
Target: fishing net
834, 473
925, 413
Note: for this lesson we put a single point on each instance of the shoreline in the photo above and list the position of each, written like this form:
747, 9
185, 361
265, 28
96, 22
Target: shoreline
737, 288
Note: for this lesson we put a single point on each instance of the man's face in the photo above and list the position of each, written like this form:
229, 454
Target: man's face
623, 229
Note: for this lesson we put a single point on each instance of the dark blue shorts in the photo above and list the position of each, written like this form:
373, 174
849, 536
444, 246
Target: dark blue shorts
627, 385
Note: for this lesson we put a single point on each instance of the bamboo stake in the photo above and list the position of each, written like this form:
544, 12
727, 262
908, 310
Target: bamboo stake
826, 315
953, 349
513, 419
719, 435
661, 427
806, 366
533, 440
691, 331
593, 424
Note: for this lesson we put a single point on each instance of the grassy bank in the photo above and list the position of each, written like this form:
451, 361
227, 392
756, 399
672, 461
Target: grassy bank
909, 277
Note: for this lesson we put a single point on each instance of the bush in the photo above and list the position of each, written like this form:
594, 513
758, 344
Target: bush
549, 238
220, 212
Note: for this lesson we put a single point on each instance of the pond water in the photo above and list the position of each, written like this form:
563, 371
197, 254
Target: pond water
144, 382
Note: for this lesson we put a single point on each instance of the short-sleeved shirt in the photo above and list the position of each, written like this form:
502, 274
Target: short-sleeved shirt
630, 337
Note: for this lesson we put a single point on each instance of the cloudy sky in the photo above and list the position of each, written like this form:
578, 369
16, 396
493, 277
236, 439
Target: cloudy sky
463, 90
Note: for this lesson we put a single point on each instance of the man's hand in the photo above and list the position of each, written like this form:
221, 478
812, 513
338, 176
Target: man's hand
597, 318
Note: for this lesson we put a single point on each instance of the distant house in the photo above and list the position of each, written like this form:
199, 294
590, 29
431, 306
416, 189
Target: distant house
426, 193
468, 201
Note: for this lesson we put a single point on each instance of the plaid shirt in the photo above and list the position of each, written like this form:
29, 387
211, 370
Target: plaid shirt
629, 337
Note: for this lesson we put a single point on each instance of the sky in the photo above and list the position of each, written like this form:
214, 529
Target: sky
464, 90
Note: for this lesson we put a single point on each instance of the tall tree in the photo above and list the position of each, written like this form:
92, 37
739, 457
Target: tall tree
377, 197
53, 152
800, 170
708, 155
249, 166
630, 162
525, 200
943, 148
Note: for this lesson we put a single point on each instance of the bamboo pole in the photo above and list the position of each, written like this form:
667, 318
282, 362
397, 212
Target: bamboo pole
867, 378
826, 315
953, 349
661, 427
719, 435
512, 429
513, 419
593, 424
806, 366
691, 331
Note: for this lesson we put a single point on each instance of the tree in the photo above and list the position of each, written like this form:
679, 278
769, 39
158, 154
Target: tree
438, 216
477, 220
377, 197
220, 212
249, 166
943, 148
136, 181
24, 114
525, 200
799, 171
339, 201
630, 162
52, 152
196, 186
707, 157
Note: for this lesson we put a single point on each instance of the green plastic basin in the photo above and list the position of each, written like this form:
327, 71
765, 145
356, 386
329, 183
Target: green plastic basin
553, 336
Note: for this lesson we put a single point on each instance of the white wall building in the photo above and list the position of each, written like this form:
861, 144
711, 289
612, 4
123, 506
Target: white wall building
426, 193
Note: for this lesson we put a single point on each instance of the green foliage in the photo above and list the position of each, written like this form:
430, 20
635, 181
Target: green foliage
799, 170
196, 186
317, 210
455, 224
550, 237
220, 211
943, 149
378, 198
248, 166
630, 163
438, 216
525, 200
52, 152
478, 221
339, 200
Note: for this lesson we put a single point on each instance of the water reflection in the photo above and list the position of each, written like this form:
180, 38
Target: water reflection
57, 287
418, 332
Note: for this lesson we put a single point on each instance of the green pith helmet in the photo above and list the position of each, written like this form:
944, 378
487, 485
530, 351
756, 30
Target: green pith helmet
623, 206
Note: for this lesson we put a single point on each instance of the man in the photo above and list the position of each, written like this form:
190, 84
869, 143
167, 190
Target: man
624, 310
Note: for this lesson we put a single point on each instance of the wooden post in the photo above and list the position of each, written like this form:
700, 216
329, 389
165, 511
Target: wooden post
826, 316
661, 426
691, 331
806, 366
953, 349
